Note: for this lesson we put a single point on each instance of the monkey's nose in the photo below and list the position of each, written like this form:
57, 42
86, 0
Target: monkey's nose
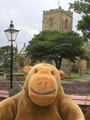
42, 85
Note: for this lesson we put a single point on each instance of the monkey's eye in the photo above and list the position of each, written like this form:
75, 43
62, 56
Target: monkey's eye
52, 73
36, 71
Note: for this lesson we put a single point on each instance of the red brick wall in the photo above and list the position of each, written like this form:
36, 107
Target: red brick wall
86, 111
5, 85
77, 88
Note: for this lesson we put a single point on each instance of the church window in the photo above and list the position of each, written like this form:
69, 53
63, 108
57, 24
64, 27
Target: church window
88, 64
74, 69
21, 63
51, 21
66, 24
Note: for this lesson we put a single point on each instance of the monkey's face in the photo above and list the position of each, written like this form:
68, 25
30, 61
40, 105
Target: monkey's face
43, 85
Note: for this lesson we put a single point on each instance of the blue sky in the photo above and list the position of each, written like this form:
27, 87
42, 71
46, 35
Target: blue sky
27, 16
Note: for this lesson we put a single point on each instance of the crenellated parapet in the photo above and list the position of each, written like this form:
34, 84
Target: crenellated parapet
69, 13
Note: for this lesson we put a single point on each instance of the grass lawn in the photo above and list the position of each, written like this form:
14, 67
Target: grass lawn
1, 77
63, 81
68, 78
74, 76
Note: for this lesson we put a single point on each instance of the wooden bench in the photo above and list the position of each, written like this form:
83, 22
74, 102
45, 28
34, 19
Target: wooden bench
4, 94
81, 100
16, 77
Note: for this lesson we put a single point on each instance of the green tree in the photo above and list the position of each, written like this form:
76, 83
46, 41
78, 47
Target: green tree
83, 7
5, 57
54, 45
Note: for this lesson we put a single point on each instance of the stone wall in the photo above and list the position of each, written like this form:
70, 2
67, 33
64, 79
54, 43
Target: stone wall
77, 88
69, 88
57, 19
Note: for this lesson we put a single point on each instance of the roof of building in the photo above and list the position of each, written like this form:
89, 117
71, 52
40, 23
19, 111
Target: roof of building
22, 52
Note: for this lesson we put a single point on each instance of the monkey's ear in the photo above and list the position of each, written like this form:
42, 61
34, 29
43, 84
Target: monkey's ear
26, 69
62, 74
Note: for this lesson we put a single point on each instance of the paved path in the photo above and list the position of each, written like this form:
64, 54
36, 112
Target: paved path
84, 79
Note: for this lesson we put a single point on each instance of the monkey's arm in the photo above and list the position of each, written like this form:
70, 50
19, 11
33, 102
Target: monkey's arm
7, 109
70, 110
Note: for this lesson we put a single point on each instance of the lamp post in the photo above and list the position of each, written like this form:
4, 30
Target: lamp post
11, 34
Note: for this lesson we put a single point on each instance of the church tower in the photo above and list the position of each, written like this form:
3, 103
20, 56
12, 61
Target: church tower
57, 19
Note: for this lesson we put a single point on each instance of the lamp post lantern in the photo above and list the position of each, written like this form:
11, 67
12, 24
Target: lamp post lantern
11, 34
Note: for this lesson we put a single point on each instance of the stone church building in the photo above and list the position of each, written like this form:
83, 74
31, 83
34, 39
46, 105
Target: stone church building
57, 20
62, 21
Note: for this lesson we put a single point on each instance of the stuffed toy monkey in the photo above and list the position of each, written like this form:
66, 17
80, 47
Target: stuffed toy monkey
41, 98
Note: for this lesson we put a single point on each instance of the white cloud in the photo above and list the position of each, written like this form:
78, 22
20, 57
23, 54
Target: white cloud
27, 15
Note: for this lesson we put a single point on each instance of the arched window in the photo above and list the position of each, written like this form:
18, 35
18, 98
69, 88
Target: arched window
74, 69
51, 21
88, 64
21, 63
66, 24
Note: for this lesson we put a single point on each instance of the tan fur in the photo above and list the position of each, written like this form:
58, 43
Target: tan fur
42, 98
